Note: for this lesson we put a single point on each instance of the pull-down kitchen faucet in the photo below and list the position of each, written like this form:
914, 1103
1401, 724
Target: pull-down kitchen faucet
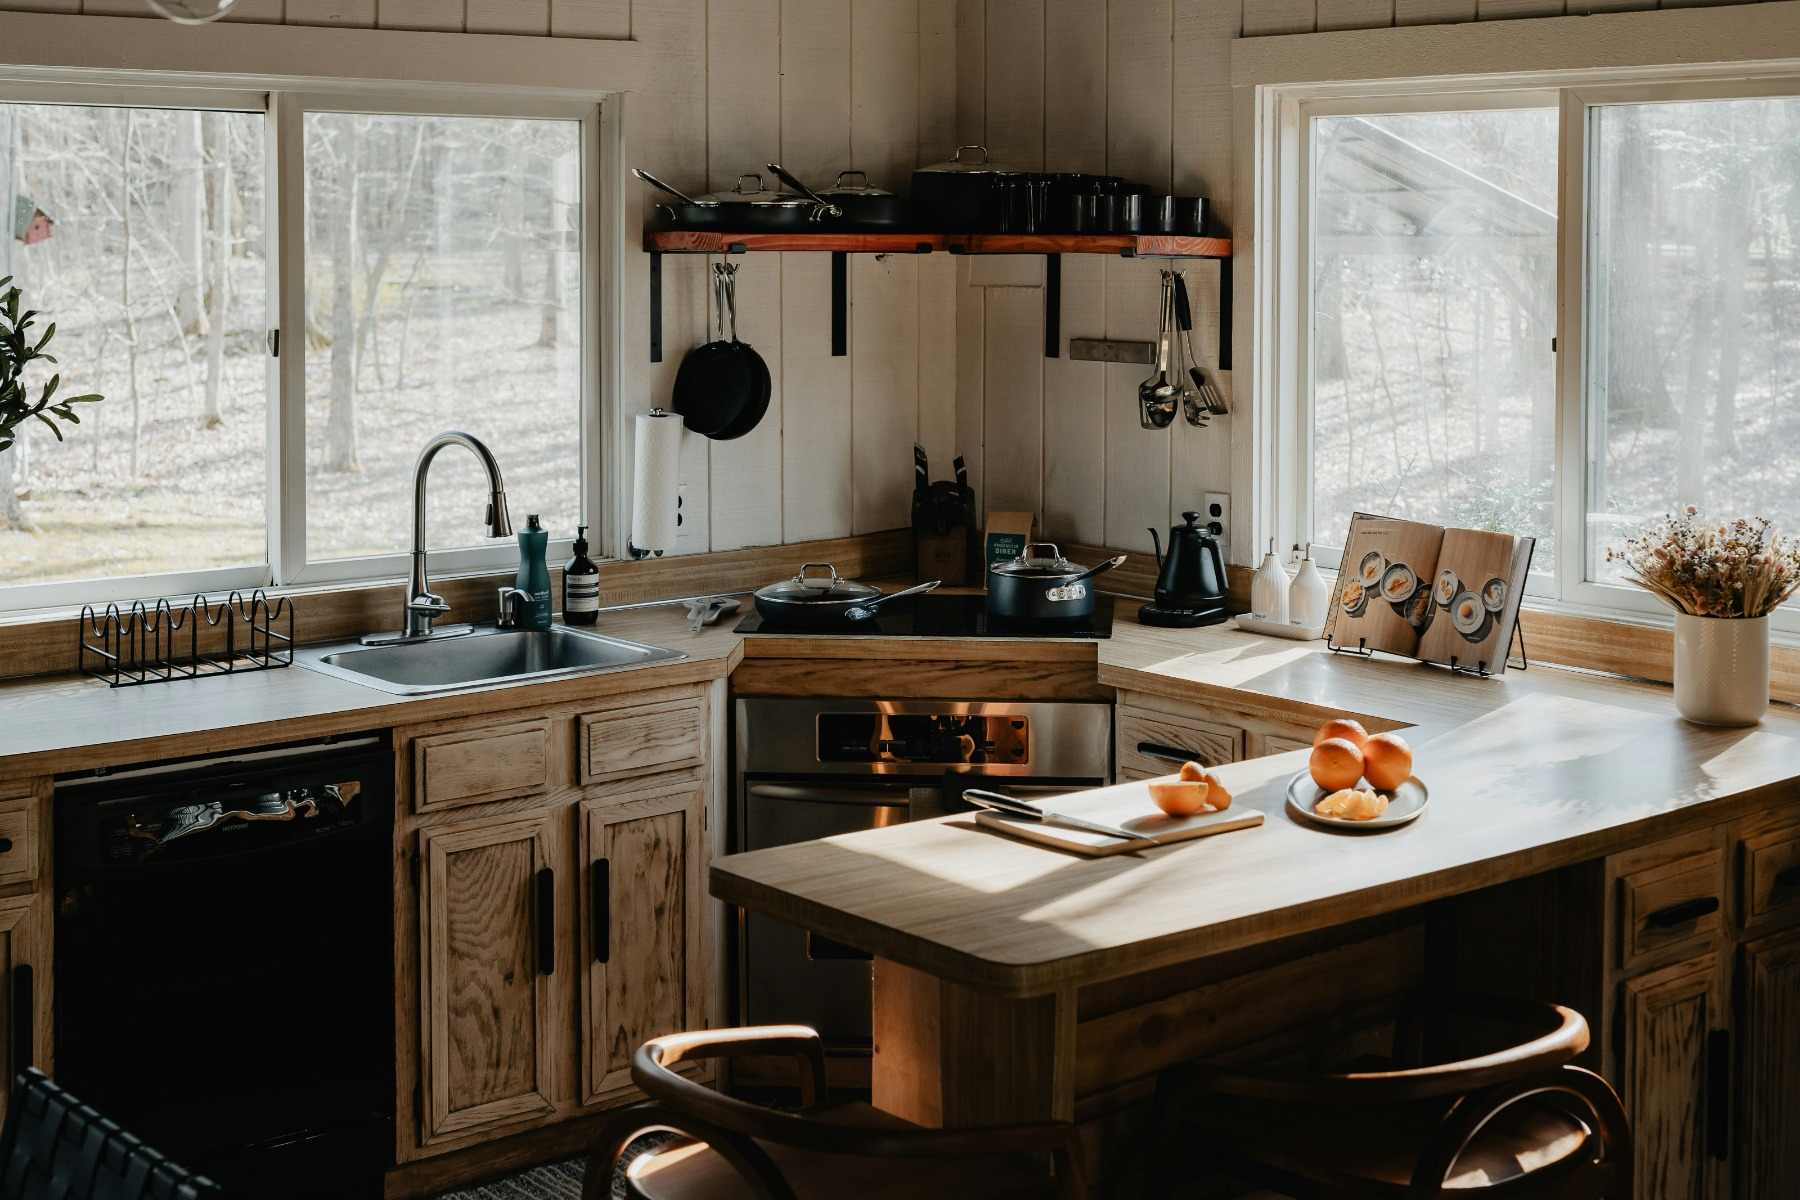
422, 607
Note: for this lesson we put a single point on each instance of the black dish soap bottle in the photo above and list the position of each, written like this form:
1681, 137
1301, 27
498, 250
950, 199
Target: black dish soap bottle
581, 585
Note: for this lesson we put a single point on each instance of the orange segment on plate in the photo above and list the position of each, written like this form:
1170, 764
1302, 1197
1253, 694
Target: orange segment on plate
1336, 764
1352, 804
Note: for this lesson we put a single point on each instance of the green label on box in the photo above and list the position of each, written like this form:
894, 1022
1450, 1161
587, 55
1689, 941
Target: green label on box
1004, 547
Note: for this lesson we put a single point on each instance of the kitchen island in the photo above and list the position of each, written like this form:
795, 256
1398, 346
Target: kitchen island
1570, 814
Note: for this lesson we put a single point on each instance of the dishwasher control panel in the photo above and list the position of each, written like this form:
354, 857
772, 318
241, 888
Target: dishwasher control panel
924, 738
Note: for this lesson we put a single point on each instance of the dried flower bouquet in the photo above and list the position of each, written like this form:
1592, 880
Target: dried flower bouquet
1735, 569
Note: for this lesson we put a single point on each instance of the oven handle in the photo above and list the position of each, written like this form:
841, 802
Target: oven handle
872, 795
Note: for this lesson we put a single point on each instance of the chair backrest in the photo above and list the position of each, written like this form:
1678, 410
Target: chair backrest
53, 1147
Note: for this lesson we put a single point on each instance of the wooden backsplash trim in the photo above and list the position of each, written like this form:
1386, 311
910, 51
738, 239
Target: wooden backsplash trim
46, 645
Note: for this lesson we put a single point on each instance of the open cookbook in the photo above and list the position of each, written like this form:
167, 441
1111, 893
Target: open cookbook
1440, 595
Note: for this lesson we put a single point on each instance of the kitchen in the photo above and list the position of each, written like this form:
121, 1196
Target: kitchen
691, 823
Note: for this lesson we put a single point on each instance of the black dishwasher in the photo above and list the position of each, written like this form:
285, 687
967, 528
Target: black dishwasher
224, 962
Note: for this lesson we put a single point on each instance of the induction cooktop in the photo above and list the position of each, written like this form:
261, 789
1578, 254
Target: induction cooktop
937, 616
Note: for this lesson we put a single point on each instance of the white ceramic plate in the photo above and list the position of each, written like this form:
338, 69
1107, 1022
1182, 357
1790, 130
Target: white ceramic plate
1404, 806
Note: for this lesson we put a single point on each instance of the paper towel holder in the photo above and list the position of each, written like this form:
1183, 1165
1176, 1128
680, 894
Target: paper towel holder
636, 553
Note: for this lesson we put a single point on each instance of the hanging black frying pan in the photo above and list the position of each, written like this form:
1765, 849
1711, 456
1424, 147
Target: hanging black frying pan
716, 382
762, 385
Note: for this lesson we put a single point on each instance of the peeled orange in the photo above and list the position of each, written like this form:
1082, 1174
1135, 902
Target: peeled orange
1217, 798
1342, 727
1192, 772
1336, 764
1387, 761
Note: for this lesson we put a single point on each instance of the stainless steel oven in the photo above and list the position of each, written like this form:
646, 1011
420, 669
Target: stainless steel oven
810, 769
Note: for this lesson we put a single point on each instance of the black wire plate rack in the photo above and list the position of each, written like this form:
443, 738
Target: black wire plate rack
154, 641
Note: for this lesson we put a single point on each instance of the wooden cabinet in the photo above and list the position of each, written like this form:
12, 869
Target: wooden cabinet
26, 922
552, 911
640, 920
1152, 742
1675, 1057
486, 957
1768, 1109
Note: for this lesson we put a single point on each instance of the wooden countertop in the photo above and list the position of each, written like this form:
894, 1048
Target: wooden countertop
1528, 772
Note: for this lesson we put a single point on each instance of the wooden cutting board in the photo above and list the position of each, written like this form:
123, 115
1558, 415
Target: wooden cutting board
1128, 805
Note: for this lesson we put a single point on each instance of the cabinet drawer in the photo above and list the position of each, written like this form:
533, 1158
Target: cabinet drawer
1671, 898
1275, 743
479, 765
1152, 743
18, 840
1771, 865
660, 735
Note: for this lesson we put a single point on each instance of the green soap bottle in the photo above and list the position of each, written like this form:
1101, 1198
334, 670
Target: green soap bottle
534, 574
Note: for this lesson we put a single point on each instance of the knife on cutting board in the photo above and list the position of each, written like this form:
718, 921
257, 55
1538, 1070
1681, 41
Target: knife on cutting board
1031, 812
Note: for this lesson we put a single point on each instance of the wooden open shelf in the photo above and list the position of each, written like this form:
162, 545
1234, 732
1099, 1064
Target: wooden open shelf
1130, 245
841, 245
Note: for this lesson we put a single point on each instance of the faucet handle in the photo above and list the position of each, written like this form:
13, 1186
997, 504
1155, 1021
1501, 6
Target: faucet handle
426, 602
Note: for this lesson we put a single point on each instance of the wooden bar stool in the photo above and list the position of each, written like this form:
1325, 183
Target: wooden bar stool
1516, 1122
726, 1149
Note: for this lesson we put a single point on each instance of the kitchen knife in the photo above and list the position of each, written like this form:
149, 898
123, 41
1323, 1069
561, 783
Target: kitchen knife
1031, 812
921, 470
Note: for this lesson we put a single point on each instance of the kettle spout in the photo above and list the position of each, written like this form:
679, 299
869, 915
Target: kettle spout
1156, 544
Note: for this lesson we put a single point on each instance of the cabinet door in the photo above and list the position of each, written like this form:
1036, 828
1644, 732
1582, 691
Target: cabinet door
486, 905
1768, 1137
24, 987
641, 928
1673, 1029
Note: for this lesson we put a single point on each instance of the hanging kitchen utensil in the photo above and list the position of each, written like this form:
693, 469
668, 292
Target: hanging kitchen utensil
1158, 397
762, 386
828, 602
1187, 378
1043, 587
1208, 388
717, 382
962, 195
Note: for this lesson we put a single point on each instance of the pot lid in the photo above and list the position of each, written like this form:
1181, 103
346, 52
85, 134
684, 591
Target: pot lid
818, 589
859, 188
969, 166
1039, 566
750, 189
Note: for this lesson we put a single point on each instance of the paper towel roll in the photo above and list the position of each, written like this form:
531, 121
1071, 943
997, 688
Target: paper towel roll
656, 482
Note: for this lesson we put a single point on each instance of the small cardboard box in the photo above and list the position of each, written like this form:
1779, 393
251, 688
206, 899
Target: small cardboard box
1007, 535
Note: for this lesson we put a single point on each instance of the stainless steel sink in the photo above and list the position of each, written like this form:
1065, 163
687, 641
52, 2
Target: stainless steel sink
484, 657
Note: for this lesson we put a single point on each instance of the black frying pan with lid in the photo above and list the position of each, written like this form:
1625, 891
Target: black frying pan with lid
722, 388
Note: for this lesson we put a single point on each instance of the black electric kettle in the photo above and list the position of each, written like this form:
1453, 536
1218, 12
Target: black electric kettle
1192, 575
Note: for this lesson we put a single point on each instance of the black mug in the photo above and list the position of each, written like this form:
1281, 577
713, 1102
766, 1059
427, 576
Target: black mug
1128, 213
1159, 214
1190, 215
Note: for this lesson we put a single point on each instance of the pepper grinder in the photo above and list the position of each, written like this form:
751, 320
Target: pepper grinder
1269, 589
1307, 595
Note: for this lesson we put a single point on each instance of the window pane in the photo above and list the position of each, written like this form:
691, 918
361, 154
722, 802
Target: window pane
1694, 326
147, 253
1434, 273
443, 277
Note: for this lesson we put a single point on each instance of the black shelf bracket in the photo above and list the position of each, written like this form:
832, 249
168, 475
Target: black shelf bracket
656, 306
840, 304
1225, 293
1052, 306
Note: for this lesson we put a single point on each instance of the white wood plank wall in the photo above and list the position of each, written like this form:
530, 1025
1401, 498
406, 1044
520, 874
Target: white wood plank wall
1137, 88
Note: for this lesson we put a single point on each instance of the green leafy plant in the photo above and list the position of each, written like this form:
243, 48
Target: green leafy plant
16, 350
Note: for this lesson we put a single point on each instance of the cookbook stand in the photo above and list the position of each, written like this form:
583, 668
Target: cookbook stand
1479, 670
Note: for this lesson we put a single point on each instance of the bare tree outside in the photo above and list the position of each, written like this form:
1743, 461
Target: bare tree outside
443, 280
168, 474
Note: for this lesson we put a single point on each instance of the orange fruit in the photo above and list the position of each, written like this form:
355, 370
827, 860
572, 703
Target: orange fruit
1336, 764
1342, 727
1192, 772
1218, 797
1180, 799
1387, 761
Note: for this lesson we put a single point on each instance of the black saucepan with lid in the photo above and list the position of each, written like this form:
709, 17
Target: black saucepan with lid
1043, 587
829, 601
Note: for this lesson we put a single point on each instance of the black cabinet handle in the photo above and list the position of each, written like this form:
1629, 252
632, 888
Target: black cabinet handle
602, 910
1788, 878
1680, 914
546, 921
1174, 754
5, 845
1718, 1094
23, 1014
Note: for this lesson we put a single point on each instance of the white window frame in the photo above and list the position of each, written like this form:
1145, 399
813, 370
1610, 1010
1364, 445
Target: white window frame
283, 107
1282, 322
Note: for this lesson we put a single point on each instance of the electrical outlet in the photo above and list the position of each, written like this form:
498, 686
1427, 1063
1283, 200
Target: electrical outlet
1215, 514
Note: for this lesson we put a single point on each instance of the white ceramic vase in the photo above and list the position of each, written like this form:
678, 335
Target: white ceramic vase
1721, 669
